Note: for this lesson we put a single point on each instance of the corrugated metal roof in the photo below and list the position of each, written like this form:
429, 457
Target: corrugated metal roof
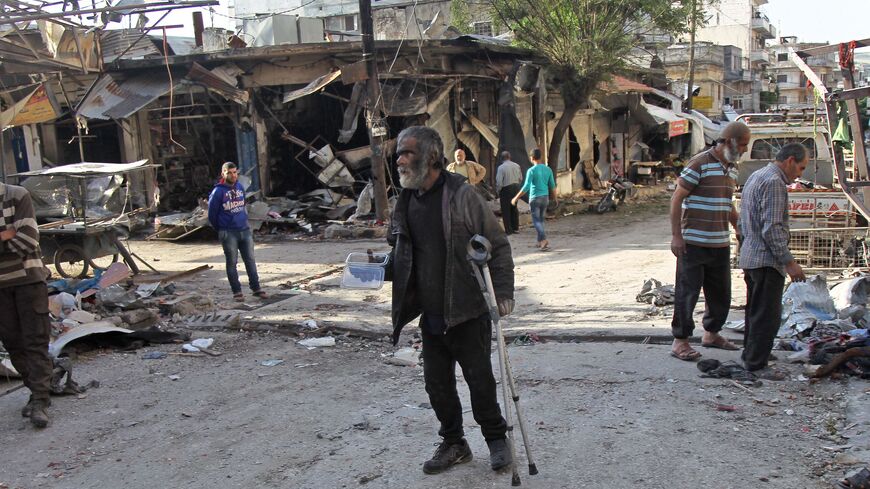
177, 44
114, 42
110, 98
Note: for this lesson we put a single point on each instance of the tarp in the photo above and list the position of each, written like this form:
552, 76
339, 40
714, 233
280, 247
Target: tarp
315, 86
86, 168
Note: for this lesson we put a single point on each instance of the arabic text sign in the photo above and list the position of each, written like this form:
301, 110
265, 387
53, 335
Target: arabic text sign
675, 128
803, 205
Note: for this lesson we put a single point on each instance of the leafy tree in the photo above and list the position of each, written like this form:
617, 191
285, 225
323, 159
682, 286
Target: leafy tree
586, 41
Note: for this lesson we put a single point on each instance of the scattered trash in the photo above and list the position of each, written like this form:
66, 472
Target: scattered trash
789, 412
304, 365
174, 377
146, 290
653, 292
725, 407
317, 342
713, 368
527, 340
271, 363
736, 326
805, 303
405, 357
202, 342
154, 355
309, 324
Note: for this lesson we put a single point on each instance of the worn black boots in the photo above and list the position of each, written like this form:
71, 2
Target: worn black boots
499, 454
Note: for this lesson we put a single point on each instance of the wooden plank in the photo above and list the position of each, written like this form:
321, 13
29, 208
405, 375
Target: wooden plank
146, 279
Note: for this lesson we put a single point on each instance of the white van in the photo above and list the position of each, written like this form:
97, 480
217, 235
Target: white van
770, 132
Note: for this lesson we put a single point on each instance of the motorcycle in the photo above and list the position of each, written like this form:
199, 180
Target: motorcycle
619, 189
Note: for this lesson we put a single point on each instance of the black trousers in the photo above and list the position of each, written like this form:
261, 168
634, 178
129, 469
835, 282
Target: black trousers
510, 215
763, 314
470, 345
701, 268
25, 331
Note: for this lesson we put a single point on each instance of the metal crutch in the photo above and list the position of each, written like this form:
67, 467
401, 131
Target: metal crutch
479, 254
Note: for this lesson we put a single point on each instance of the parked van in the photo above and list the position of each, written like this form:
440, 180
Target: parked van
770, 132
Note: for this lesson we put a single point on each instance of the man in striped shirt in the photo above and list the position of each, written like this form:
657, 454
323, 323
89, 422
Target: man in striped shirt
701, 209
764, 256
24, 323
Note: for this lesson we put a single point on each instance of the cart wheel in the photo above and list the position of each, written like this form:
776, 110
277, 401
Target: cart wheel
103, 262
69, 261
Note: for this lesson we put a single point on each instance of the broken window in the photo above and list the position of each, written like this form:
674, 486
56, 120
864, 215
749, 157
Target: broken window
767, 148
350, 22
482, 28
782, 57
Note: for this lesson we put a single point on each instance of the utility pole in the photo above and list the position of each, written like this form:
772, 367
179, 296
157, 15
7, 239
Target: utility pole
374, 118
691, 87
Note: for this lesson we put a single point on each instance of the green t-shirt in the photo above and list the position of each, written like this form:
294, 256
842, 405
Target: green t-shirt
539, 181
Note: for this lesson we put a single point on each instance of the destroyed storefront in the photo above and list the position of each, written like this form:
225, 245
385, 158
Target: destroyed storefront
293, 117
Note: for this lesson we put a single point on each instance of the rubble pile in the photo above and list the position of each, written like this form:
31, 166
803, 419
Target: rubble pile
828, 328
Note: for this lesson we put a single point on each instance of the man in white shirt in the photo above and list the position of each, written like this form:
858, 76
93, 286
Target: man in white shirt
508, 178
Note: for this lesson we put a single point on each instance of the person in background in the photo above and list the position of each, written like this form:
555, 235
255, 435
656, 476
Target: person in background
508, 178
473, 172
227, 215
541, 187
764, 255
701, 209
25, 328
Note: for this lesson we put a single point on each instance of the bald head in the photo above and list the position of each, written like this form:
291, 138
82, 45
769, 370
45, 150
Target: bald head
735, 130
733, 142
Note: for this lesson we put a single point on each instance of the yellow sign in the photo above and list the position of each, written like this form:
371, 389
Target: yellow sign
32, 109
702, 103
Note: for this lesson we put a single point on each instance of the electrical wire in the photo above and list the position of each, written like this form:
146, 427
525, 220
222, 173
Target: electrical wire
171, 90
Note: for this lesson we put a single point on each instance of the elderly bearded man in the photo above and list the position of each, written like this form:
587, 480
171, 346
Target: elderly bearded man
435, 217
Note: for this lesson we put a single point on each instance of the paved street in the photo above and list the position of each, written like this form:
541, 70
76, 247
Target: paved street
616, 412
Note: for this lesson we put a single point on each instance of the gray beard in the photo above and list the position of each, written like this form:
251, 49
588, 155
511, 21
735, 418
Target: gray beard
730, 154
412, 179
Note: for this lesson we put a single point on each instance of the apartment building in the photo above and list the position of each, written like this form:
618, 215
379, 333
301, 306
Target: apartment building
742, 24
792, 91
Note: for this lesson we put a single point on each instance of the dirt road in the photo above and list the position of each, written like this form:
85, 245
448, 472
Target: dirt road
601, 414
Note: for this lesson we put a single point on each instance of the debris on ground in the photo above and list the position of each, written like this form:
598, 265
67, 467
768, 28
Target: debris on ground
404, 357
318, 342
653, 292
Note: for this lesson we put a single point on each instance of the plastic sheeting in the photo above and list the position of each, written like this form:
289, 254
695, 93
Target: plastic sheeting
805, 303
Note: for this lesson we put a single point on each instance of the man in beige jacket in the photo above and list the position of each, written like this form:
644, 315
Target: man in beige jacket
474, 172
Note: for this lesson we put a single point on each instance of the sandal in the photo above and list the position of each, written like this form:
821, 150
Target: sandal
239, 297
721, 343
687, 354
860, 480
261, 294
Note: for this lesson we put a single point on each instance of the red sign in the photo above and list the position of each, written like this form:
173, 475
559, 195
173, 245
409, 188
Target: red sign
675, 128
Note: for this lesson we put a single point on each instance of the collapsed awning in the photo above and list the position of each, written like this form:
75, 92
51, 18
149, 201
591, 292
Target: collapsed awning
87, 168
488, 134
111, 98
657, 116
315, 86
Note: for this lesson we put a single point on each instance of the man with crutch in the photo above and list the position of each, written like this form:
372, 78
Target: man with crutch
435, 216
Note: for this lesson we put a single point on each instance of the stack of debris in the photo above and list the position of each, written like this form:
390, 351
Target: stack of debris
828, 327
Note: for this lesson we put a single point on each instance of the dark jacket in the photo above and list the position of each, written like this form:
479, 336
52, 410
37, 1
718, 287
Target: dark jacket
226, 207
464, 214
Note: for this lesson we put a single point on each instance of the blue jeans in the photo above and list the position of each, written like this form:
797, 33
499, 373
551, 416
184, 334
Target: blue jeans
237, 242
539, 213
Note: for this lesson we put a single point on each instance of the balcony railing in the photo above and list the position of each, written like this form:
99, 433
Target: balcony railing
761, 24
760, 56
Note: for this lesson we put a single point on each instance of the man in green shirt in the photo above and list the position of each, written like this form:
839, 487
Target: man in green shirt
541, 187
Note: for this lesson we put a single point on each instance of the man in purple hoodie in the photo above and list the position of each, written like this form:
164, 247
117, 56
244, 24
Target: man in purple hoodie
226, 213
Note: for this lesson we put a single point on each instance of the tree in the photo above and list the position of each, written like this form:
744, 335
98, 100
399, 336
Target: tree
586, 41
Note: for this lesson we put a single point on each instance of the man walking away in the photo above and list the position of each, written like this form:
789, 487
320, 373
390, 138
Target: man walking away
507, 183
435, 216
474, 172
227, 215
701, 210
764, 255
24, 323
541, 187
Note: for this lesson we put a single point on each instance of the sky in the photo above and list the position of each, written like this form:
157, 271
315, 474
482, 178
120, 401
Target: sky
831, 21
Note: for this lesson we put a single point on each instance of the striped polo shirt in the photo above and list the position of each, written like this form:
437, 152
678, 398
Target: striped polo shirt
707, 209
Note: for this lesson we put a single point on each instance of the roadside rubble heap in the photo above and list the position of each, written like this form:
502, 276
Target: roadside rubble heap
828, 328
320, 212
109, 310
